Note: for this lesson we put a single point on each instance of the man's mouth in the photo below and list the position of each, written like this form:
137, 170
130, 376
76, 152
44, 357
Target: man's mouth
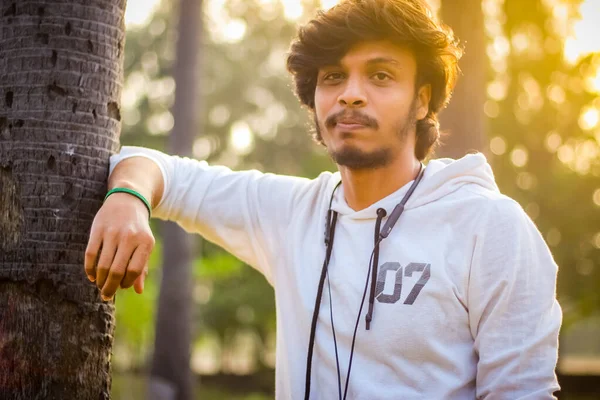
350, 124
350, 121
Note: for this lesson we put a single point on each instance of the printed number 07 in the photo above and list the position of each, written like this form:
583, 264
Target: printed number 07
408, 271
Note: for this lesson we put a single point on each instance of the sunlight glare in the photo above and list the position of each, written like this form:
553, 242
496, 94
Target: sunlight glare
593, 81
327, 4
585, 31
138, 12
293, 9
234, 30
242, 138
589, 118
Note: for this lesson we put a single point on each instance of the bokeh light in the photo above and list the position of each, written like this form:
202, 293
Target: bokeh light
596, 240
596, 197
498, 145
553, 237
234, 30
553, 142
242, 138
519, 156
589, 118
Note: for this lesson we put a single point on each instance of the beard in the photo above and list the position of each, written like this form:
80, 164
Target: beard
355, 158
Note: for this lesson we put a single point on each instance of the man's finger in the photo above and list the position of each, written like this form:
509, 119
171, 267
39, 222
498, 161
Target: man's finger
136, 266
91, 254
109, 248
116, 273
138, 285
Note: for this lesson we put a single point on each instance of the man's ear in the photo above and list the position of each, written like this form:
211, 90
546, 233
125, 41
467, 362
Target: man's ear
423, 98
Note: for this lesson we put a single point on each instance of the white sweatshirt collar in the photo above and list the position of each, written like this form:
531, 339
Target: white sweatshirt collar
442, 177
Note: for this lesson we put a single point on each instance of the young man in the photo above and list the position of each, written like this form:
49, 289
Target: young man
391, 282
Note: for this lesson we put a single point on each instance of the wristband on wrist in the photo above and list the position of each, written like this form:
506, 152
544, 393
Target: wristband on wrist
133, 193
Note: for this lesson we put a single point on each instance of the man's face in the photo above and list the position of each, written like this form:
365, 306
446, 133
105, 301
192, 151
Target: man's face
366, 107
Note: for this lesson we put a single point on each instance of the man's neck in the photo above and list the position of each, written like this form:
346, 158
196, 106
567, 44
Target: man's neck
363, 188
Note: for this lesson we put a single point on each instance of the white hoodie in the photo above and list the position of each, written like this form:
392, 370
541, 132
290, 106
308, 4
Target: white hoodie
484, 325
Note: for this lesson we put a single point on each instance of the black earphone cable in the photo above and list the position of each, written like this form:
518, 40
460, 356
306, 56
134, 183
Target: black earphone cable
337, 359
362, 302
329, 236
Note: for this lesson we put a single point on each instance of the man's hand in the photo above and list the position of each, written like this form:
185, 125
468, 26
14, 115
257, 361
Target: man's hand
120, 245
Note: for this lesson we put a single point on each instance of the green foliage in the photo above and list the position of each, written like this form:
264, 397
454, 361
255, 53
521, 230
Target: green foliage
246, 81
132, 387
241, 297
557, 193
243, 81
135, 316
218, 266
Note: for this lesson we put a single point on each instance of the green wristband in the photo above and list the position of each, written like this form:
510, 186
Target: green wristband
133, 193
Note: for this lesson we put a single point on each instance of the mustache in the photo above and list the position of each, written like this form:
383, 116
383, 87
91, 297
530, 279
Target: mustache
363, 119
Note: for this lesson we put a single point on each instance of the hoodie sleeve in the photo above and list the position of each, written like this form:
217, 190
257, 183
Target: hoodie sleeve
243, 212
513, 312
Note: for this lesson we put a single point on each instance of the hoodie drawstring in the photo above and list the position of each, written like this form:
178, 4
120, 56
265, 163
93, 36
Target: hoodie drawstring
381, 213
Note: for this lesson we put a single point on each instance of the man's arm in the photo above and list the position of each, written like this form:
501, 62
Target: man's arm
514, 316
247, 213
120, 239
140, 174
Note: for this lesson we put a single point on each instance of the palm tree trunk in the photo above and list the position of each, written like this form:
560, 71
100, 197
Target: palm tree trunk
464, 119
171, 376
60, 84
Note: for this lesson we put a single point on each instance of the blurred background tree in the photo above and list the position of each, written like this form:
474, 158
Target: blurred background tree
170, 376
541, 110
463, 122
61, 75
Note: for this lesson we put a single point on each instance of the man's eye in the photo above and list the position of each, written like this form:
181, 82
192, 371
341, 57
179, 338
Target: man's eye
382, 76
333, 76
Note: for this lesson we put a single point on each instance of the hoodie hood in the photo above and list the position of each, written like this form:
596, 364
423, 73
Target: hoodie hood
442, 177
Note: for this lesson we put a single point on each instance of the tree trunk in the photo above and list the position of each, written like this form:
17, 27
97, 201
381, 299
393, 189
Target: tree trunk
60, 86
171, 377
464, 119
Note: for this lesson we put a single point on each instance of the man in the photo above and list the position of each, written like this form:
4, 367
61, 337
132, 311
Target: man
461, 286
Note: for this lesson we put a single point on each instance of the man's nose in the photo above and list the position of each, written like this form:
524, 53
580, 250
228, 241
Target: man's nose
353, 94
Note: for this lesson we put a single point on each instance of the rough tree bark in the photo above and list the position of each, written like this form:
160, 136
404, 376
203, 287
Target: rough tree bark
171, 377
464, 119
60, 87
